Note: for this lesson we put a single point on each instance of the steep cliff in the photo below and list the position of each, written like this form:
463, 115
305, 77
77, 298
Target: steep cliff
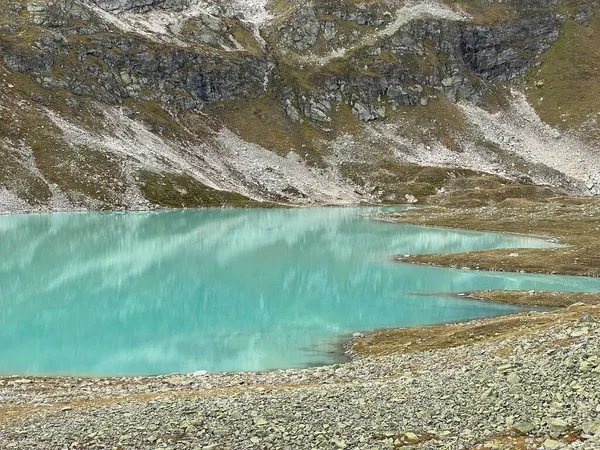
142, 103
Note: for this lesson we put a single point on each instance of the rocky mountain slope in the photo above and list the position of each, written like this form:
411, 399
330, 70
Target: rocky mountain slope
142, 103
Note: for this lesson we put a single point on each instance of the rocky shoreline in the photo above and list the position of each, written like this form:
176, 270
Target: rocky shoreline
534, 389
525, 381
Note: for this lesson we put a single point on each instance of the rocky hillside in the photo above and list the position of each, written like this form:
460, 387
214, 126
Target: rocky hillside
143, 103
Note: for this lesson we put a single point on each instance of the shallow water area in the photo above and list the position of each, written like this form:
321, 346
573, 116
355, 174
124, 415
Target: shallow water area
143, 293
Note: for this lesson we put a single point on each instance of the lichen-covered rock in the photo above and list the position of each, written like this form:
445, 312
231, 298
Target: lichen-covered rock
34, 63
301, 30
499, 53
114, 67
372, 14
54, 14
367, 112
140, 6
316, 108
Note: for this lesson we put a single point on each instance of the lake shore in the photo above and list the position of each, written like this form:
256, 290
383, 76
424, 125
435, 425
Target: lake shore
528, 380
574, 222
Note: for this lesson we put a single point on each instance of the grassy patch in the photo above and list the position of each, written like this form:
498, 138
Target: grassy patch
565, 91
157, 119
183, 191
262, 121
572, 221
419, 339
246, 40
488, 190
81, 169
537, 298
17, 179
396, 179
484, 12
438, 121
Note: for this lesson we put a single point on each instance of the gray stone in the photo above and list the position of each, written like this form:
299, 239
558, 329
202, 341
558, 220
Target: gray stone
513, 378
411, 436
587, 317
411, 198
339, 443
524, 427
367, 112
329, 30
591, 428
291, 111
301, 30
558, 425
316, 108
551, 444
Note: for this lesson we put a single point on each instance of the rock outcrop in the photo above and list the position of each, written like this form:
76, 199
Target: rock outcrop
320, 70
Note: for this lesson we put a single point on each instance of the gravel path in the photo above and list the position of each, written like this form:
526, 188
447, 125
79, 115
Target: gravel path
536, 391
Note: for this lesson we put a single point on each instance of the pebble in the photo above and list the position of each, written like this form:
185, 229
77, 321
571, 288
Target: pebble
551, 444
524, 427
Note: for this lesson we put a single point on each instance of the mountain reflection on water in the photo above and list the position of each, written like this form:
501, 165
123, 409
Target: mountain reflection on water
223, 290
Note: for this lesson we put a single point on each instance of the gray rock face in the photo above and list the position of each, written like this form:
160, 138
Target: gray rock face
113, 67
316, 108
56, 14
424, 58
366, 14
367, 113
181, 77
140, 6
35, 63
441, 55
207, 29
329, 30
301, 31
585, 13
291, 111
500, 53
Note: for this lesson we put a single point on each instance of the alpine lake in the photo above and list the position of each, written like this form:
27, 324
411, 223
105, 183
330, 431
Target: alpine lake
145, 293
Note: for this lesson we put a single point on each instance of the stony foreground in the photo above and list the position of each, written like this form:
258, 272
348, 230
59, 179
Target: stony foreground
538, 390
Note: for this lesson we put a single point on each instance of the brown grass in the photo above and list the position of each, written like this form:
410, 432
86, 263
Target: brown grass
572, 221
537, 298
518, 441
570, 93
262, 121
412, 340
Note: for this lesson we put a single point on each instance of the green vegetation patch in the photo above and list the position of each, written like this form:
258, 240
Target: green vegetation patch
488, 190
80, 169
158, 120
486, 12
183, 191
246, 40
440, 120
395, 179
263, 121
20, 181
551, 299
565, 91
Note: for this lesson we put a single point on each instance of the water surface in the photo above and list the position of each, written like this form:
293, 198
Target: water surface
225, 290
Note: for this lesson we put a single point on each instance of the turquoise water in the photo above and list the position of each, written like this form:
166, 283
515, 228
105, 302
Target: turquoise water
225, 290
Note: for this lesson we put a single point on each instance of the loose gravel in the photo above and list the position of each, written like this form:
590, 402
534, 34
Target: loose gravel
540, 390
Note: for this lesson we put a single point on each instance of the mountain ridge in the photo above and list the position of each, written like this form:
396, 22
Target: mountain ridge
127, 104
